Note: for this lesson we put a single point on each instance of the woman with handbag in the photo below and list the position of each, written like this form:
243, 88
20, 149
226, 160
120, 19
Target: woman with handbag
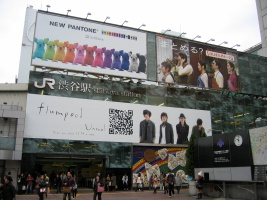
199, 185
98, 188
41, 186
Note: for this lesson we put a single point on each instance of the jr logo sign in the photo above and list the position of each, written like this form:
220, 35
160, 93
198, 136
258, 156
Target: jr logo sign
50, 82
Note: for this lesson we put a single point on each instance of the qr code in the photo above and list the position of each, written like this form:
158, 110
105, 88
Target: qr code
120, 122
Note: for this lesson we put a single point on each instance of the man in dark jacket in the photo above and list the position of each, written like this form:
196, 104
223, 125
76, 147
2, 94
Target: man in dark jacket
147, 129
8, 189
68, 183
165, 130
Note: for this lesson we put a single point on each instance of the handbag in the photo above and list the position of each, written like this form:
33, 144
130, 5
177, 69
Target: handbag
23, 187
66, 190
100, 188
42, 189
199, 186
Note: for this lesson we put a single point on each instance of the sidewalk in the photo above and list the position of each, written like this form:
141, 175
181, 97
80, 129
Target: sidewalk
87, 194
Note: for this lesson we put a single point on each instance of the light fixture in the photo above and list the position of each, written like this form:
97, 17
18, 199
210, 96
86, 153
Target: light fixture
236, 45
65, 71
68, 12
47, 7
141, 26
211, 39
224, 42
183, 33
85, 73
166, 31
88, 15
106, 18
198, 36
124, 22
259, 119
215, 130
43, 68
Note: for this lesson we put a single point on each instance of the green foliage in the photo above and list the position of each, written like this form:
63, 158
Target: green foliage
190, 165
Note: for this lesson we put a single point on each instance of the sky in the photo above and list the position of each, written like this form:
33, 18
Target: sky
233, 21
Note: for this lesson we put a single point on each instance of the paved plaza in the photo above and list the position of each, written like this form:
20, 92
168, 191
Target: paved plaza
87, 194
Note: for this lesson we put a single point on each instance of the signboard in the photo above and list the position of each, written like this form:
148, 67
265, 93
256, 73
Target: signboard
53, 117
196, 64
258, 140
63, 42
259, 173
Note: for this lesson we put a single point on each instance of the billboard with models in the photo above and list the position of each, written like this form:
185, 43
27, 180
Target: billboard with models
188, 63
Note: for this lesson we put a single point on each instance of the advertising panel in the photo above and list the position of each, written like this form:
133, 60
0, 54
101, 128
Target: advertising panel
53, 117
156, 160
187, 63
258, 140
63, 42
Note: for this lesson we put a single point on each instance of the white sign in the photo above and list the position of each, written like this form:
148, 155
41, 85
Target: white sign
54, 117
86, 46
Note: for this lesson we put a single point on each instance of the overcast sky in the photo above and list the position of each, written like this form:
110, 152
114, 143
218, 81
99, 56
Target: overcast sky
234, 21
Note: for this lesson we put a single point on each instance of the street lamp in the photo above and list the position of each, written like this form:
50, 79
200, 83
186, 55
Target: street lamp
88, 15
68, 12
106, 18
198, 36
211, 39
236, 45
47, 7
166, 31
223, 43
141, 26
183, 33
124, 22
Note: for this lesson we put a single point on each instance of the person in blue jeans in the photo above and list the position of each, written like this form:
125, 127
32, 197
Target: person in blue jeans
29, 182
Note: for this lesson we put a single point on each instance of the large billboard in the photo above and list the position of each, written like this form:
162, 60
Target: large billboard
67, 43
53, 117
193, 64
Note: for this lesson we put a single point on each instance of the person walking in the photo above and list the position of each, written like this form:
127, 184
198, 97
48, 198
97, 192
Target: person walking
165, 183
21, 181
199, 185
68, 183
155, 183
113, 182
178, 182
41, 186
139, 183
170, 181
8, 189
29, 182
97, 186
125, 181
151, 181
74, 189
58, 183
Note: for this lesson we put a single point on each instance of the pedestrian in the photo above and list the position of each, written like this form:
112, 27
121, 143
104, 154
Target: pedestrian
21, 182
151, 181
58, 183
165, 183
74, 190
155, 183
113, 182
199, 185
139, 183
41, 186
161, 181
29, 182
178, 182
98, 188
7, 189
170, 181
68, 183
125, 181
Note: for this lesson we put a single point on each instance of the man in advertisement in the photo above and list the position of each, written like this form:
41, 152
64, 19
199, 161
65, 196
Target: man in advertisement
217, 81
185, 70
147, 129
166, 130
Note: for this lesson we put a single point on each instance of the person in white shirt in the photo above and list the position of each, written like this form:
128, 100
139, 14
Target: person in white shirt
185, 70
218, 81
202, 80
125, 182
166, 70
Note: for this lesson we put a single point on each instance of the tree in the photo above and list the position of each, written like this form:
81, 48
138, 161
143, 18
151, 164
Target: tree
189, 155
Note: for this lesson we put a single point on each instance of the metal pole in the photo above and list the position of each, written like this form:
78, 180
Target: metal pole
224, 189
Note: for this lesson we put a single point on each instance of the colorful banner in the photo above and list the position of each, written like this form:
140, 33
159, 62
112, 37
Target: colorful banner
193, 64
63, 42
